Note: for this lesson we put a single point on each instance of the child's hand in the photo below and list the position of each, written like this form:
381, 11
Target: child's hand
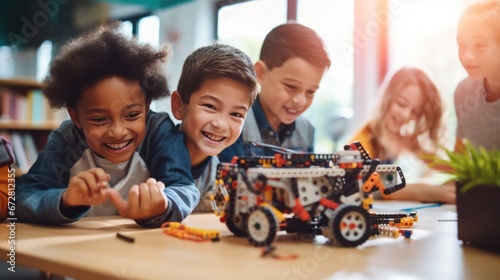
86, 188
145, 201
446, 193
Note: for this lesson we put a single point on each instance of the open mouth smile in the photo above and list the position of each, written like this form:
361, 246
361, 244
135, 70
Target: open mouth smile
292, 111
118, 146
213, 137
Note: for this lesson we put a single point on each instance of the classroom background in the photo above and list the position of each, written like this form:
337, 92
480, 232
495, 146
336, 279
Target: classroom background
367, 39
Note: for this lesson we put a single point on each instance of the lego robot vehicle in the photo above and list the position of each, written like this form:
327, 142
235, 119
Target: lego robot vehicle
318, 194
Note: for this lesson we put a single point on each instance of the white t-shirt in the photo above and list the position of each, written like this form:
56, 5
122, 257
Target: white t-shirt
477, 119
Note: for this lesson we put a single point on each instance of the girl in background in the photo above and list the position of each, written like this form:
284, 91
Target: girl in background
406, 126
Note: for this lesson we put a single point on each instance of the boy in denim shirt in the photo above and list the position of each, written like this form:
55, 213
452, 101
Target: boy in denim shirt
115, 155
293, 60
216, 89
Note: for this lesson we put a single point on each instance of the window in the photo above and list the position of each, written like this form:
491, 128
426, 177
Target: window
6, 57
43, 58
245, 25
127, 28
149, 30
334, 22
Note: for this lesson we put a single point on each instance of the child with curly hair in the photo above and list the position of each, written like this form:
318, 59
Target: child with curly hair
115, 155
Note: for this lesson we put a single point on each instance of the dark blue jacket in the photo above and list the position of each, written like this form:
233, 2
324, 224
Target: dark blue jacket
162, 153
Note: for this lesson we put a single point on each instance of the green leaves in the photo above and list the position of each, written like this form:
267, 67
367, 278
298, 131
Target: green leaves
474, 166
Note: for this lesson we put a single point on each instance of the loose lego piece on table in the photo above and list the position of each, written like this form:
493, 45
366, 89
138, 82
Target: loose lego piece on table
406, 232
126, 238
269, 251
190, 233
386, 231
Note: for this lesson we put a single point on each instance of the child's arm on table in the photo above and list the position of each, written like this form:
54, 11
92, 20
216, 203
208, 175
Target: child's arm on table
40, 191
169, 163
421, 192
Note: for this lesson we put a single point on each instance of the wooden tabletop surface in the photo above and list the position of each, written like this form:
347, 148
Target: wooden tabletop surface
89, 249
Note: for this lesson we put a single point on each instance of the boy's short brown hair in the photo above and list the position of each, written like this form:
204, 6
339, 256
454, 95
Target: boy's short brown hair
485, 12
216, 61
290, 40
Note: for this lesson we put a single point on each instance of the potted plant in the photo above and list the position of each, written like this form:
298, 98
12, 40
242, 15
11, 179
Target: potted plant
476, 172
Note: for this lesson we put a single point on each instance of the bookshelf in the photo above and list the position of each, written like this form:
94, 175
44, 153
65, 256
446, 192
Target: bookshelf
26, 119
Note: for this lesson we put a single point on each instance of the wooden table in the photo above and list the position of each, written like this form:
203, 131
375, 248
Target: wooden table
89, 249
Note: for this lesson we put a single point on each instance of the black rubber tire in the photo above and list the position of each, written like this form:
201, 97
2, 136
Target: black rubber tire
261, 226
235, 223
351, 225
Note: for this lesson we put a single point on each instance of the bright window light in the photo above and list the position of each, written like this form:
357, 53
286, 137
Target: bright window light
245, 25
127, 28
334, 22
43, 57
149, 31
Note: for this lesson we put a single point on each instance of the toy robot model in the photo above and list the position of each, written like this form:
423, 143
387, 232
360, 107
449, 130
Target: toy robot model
327, 194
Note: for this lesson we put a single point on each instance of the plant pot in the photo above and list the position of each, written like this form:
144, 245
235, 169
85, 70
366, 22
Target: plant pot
478, 213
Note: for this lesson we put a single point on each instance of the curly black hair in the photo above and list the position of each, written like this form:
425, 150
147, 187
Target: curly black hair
100, 54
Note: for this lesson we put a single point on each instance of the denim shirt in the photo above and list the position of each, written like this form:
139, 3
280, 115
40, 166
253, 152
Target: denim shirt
297, 136
39, 191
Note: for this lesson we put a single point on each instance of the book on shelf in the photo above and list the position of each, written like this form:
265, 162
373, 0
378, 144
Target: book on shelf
38, 113
29, 106
7, 104
19, 152
20, 107
30, 148
25, 149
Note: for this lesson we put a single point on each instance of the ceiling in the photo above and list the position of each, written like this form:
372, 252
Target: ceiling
150, 4
27, 23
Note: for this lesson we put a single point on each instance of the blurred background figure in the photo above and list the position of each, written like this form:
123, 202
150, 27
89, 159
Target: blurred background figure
407, 125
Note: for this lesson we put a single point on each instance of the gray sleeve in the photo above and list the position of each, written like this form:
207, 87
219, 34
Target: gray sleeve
205, 185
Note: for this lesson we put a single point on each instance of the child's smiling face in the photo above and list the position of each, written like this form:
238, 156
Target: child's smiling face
112, 115
214, 117
406, 107
288, 90
479, 49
